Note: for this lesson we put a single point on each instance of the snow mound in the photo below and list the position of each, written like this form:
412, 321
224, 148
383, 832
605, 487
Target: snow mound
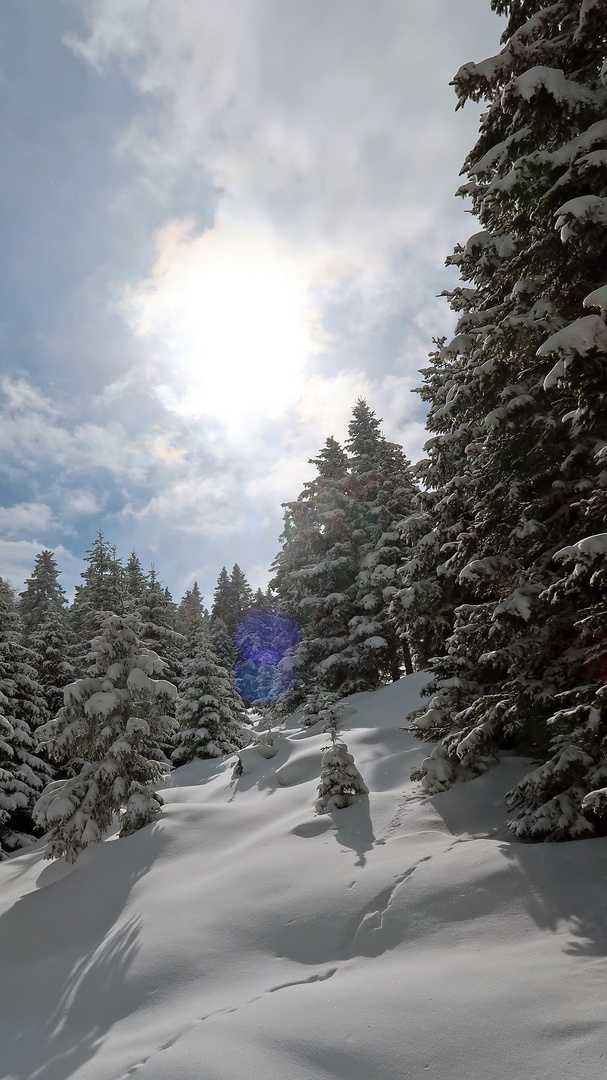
303, 766
244, 937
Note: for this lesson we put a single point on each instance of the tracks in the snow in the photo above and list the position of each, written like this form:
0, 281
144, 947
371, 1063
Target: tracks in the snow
320, 976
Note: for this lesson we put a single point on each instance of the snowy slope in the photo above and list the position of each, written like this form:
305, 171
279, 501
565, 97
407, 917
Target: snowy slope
242, 937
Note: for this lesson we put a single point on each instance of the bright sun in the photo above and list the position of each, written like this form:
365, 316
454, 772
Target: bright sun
229, 317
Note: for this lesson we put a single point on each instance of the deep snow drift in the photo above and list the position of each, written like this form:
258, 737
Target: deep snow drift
243, 937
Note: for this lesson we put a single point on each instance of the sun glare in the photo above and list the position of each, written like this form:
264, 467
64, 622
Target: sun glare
228, 316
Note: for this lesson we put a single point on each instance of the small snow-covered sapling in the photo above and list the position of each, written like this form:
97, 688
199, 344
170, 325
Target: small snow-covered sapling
340, 780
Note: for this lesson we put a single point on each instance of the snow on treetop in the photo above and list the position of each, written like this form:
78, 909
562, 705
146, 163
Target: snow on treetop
375, 642
138, 680
162, 688
584, 336
563, 90
585, 549
586, 208
102, 703
480, 568
518, 603
74, 693
150, 662
598, 298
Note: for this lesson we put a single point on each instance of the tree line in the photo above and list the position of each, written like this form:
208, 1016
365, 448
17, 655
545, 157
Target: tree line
484, 563
90, 716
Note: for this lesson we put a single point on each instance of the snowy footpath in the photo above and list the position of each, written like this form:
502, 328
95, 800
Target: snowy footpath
243, 937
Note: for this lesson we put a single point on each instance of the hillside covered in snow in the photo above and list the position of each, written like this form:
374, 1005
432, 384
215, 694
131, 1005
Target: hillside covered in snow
242, 936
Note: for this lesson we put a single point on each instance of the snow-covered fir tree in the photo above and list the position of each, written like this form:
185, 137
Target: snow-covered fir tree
232, 598
191, 616
221, 607
134, 584
336, 573
241, 597
518, 403
210, 712
265, 637
313, 572
223, 644
340, 781
43, 612
43, 594
102, 591
112, 720
157, 612
23, 773
261, 600
432, 534
380, 482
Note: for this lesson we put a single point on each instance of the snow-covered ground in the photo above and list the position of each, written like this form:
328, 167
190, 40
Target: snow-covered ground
243, 937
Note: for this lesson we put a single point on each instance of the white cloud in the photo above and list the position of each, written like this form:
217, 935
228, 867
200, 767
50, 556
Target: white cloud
329, 117
36, 432
195, 504
25, 518
83, 501
328, 131
22, 397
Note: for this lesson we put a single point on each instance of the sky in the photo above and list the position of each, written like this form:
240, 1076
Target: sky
223, 223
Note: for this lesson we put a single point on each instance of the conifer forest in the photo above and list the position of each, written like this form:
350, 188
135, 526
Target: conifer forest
349, 825
484, 563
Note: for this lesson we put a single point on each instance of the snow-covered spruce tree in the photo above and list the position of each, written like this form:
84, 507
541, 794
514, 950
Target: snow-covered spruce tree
43, 613
134, 584
43, 595
210, 712
221, 607
222, 643
265, 637
191, 617
314, 575
578, 724
232, 599
52, 644
23, 773
380, 483
241, 597
340, 780
520, 402
112, 720
261, 601
102, 591
431, 535
336, 572
157, 612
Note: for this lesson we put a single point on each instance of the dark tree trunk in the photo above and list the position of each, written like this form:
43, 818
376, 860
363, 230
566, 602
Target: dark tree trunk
407, 657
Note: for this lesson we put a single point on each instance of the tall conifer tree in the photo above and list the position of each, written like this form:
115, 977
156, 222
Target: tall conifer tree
42, 609
157, 612
111, 723
102, 591
210, 712
191, 617
518, 410
23, 773
336, 573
